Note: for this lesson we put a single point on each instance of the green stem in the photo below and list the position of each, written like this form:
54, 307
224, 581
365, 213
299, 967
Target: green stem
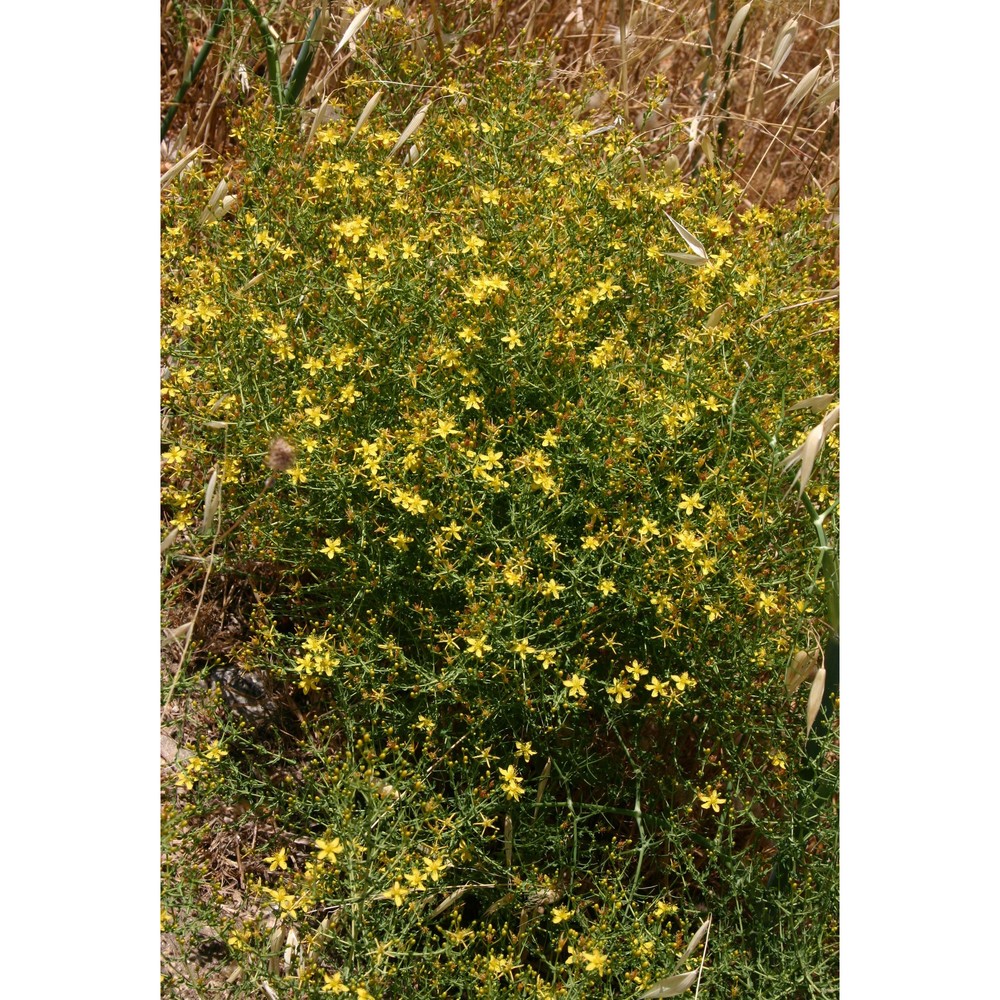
735, 50
438, 34
831, 576
196, 66
270, 54
303, 63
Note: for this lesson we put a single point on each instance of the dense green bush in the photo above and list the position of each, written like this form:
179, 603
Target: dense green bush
505, 477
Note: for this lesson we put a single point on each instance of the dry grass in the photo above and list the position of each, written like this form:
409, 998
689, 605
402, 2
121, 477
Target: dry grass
752, 85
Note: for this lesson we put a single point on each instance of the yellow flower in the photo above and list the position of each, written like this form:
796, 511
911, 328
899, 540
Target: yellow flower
546, 657
287, 903
683, 681
636, 669
445, 427
329, 849
525, 750
334, 983
768, 603
415, 879
689, 504
278, 860
512, 784
596, 961
711, 800
397, 893
656, 688
490, 459
688, 540
348, 394
560, 914
619, 690
576, 686
434, 866
333, 547
477, 645
648, 527
472, 244
315, 415
500, 964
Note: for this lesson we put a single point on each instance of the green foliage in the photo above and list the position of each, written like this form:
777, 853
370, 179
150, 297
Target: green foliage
527, 571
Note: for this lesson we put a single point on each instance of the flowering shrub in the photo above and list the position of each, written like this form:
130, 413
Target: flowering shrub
505, 474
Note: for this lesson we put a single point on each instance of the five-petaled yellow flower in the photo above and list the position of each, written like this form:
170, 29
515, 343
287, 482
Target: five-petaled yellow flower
478, 646
656, 687
576, 686
434, 866
277, 860
711, 800
333, 547
636, 669
397, 893
415, 877
620, 689
596, 961
512, 784
334, 983
329, 849
683, 681
689, 504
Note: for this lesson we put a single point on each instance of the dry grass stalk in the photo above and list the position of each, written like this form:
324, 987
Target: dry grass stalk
179, 167
815, 403
726, 100
671, 986
357, 23
698, 255
804, 87
211, 502
682, 981
415, 122
169, 540
783, 46
803, 667
815, 698
363, 117
736, 25
810, 449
